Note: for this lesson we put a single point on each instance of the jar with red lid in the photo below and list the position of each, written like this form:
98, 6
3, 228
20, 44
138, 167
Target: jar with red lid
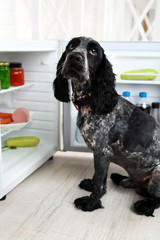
16, 74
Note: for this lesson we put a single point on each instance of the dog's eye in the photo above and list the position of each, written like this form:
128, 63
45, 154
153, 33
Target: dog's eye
93, 52
71, 46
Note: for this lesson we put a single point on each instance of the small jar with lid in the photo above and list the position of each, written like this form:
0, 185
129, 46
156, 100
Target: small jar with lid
16, 74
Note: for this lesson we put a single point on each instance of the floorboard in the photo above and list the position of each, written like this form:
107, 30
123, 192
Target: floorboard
41, 207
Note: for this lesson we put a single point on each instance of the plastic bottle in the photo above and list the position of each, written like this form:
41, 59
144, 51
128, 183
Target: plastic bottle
126, 95
143, 102
155, 110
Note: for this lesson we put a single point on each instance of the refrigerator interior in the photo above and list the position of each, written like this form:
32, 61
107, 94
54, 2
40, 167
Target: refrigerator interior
39, 60
124, 56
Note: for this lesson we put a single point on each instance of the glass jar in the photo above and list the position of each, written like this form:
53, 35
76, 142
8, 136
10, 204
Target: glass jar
1, 73
16, 74
7, 74
4, 75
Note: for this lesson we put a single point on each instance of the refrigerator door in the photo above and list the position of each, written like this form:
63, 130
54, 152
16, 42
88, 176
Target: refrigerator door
39, 60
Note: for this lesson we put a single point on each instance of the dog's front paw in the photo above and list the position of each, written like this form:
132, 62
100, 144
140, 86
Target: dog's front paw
145, 207
87, 204
87, 184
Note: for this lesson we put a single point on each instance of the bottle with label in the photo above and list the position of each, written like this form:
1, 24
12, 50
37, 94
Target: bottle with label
155, 110
126, 95
143, 102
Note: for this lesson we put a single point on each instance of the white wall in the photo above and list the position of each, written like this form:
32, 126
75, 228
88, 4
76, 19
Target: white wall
7, 23
104, 20
15, 19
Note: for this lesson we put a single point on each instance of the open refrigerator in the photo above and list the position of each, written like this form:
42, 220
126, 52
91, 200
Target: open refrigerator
124, 56
53, 122
39, 60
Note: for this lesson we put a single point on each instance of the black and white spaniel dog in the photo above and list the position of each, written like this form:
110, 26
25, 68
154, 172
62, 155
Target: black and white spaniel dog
113, 128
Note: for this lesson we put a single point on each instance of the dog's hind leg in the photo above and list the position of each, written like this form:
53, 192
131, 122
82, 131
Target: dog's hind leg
154, 182
147, 206
121, 180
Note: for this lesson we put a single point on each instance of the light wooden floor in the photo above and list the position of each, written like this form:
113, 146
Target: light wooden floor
41, 208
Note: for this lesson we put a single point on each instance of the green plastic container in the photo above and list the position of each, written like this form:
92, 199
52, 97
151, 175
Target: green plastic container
141, 74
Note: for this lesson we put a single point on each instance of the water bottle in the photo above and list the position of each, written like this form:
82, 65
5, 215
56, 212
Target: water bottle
143, 102
126, 95
155, 110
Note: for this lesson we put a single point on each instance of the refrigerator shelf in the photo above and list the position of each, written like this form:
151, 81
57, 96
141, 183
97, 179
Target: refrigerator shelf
12, 89
21, 162
7, 128
138, 82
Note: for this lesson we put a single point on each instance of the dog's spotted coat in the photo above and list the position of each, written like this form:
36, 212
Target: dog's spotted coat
113, 128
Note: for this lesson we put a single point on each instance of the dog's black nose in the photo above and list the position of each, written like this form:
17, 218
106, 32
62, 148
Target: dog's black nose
75, 57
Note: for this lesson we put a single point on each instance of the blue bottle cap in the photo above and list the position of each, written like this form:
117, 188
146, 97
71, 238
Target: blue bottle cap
126, 94
143, 94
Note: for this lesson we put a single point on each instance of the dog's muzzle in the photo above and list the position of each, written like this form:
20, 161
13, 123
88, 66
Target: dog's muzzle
76, 58
74, 67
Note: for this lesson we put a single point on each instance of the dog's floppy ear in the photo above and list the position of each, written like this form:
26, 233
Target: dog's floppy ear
104, 95
60, 84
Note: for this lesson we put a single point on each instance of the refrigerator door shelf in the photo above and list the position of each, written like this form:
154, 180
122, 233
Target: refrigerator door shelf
12, 89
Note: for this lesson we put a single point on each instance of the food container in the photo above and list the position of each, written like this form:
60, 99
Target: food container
4, 75
16, 74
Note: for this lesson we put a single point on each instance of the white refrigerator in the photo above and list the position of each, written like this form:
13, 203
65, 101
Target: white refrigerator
53, 122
